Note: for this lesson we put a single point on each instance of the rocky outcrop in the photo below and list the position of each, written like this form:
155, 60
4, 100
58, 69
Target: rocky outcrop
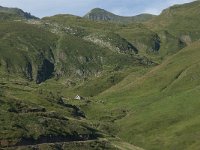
45, 71
113, 42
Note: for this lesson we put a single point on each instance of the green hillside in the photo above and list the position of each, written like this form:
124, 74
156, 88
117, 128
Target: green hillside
41, 54
181, 16
146, 42
35, 51
137, 80
26, 50
179, 24
161, 107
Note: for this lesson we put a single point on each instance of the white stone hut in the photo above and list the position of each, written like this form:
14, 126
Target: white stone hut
77, 97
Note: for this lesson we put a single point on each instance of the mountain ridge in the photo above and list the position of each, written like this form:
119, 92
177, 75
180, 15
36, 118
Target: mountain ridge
98, 14
15, 13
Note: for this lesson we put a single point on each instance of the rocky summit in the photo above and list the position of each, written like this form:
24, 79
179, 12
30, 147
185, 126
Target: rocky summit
99, 14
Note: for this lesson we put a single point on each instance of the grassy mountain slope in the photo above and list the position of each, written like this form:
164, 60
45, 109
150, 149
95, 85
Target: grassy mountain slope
150, 43
45, 117
160, 108
31, 115
125, 95
46, 50
178, 18
98, 14
143, 39
26, 50
31, 53
177, 24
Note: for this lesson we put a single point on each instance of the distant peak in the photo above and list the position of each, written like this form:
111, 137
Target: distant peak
99, 14
97, 11
16, 12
